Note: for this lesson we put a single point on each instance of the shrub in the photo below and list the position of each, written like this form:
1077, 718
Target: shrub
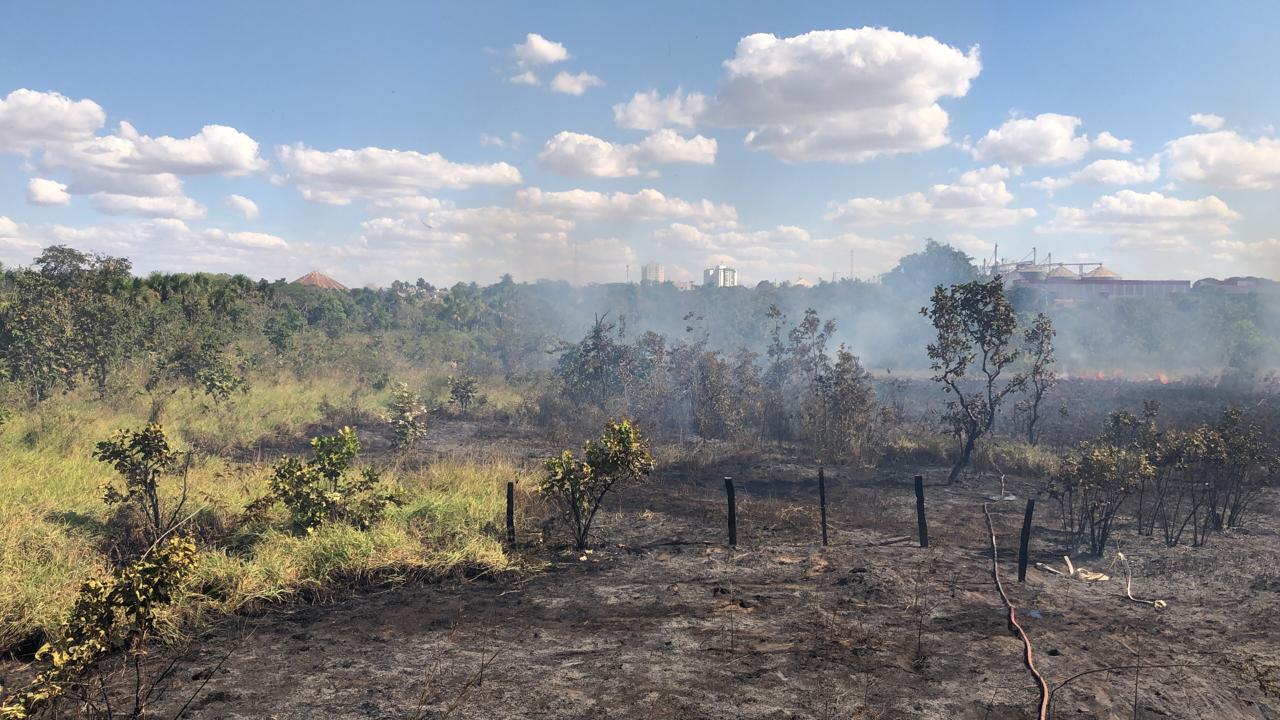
578, 485
1092, 488
838, 408
408, 416
321, 490
464, 392
142, 457
107, 616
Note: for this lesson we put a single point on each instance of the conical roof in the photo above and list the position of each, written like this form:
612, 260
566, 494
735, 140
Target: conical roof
1062, 272
315, 278
1103, 272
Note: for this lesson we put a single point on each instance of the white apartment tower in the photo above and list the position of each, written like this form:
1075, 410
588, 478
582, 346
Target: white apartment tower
653, 274
720, 276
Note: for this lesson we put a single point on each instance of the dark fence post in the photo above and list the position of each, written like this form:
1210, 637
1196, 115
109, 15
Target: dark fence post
1026, 540
822, 502
924, 526
511, 514
733, 513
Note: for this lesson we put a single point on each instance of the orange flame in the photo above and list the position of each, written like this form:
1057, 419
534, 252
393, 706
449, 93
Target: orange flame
1164, 379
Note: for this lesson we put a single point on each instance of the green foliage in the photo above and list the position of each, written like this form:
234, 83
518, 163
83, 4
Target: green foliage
281, 328
324, 490
142, 457
577, 485
975, 324
407, 416
938, 264
464, 392
108, 616
203, 363
38, 336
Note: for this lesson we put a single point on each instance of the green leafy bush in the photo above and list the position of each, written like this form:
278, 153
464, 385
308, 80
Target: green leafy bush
407, 416
1092, 488
108, 616
577, 486
142, 457
323, 489
464, 392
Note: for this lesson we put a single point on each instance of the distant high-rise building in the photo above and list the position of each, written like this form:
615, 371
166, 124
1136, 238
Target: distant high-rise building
653, 274
720, 276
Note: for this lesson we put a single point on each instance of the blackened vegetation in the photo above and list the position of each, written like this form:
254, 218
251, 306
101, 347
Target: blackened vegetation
685, 389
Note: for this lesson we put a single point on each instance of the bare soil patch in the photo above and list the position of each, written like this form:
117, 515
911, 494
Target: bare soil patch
662, 620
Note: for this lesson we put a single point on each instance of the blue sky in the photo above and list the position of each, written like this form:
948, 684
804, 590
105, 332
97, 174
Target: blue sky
375, 142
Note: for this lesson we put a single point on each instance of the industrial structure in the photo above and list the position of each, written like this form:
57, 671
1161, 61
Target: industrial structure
720, 276
1240, 285
652, 274
1068, 283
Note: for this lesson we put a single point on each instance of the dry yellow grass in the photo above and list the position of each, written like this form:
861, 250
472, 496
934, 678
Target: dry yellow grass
53, 524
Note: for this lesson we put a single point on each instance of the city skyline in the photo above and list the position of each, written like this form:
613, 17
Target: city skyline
461, 143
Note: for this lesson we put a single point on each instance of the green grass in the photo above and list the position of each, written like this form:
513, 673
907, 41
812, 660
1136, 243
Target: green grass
54, 526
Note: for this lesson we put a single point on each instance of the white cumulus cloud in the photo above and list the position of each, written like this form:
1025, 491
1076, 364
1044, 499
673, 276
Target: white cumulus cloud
1208, 121
1149, 220
652, 111
215, 150
647, 204
243, 206
1226, 159
979, 199
337, 177
256, 240
47, 192
574, 84
1046, 139
1108, 171
581, 155
31, 120
842, 95
170, 206
537, 50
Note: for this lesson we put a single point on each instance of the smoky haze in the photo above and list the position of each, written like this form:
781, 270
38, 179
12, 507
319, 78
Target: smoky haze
1204, 333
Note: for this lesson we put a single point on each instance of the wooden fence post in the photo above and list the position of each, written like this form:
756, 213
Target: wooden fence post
1026, 540
924, 526
511, 514
822, 502
733, 513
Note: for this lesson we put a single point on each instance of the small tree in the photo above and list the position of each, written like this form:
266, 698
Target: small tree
464, 391
142, 457
408, 416
321, 490
975, 324
578, 485
1037, 343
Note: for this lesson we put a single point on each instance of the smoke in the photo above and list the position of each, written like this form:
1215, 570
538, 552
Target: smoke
1206, 333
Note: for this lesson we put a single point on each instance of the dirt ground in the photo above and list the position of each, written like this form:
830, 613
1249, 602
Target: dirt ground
663, 620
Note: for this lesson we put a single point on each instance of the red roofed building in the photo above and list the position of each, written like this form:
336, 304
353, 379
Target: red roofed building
318, 279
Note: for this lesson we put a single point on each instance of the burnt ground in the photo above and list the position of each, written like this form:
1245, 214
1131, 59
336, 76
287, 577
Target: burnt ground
662, 620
